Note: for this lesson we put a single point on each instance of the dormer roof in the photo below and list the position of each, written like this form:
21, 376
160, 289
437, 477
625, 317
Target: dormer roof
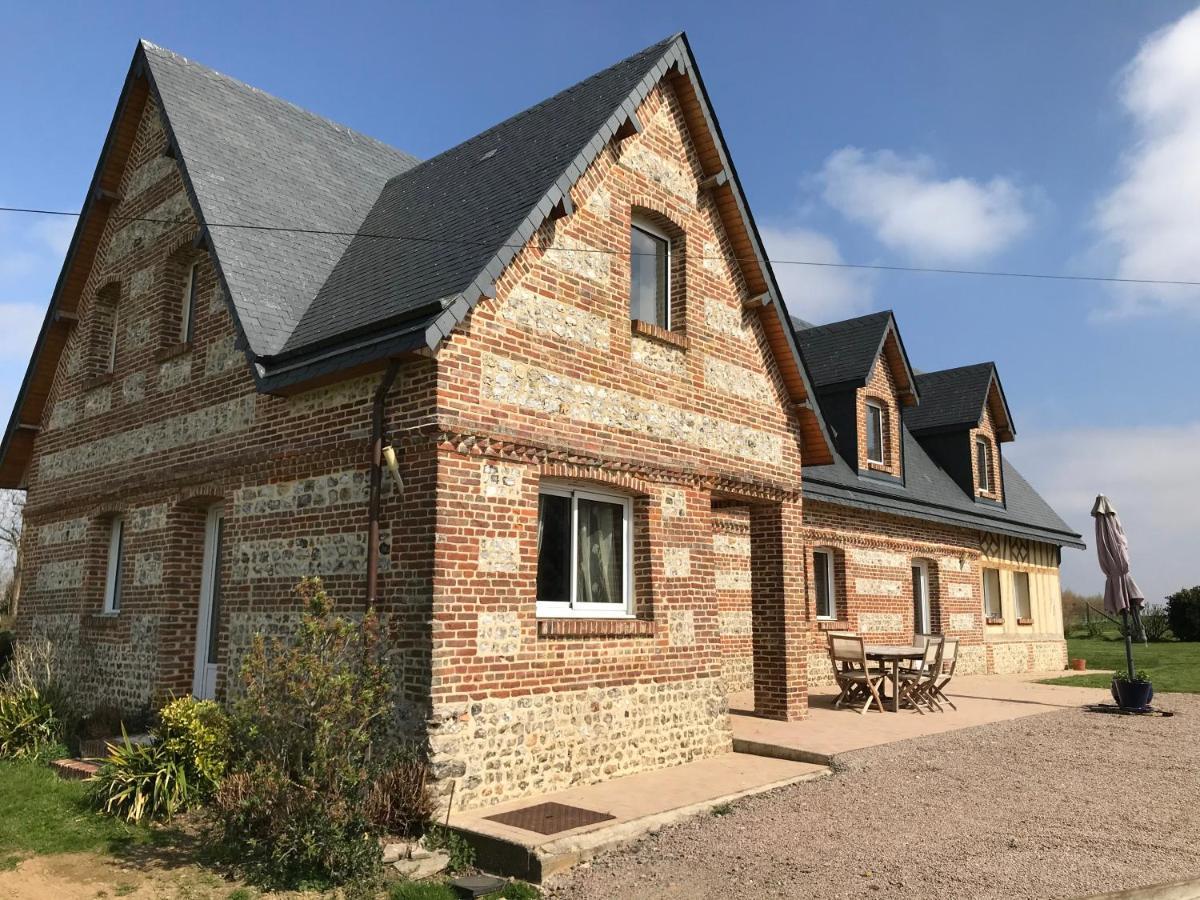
842, 355
956, 399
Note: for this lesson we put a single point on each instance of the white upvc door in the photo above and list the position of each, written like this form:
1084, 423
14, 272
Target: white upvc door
921, 619
204, 683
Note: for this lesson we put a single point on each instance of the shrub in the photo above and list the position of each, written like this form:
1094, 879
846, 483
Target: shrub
294, 811
462, 854
399, 801
1183, 613
31, 703
1155, 624
180, 767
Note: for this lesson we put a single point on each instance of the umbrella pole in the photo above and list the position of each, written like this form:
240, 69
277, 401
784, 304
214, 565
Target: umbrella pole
1128, 642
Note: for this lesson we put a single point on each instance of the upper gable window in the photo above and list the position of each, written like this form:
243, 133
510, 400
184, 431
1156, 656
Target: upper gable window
875, 421
650, 267
983, 458
188, 301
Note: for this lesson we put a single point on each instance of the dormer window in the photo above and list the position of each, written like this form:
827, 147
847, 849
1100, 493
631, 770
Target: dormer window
650, 268
188, 302
874, 432
983, 458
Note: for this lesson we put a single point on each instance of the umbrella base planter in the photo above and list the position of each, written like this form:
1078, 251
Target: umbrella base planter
1132, 694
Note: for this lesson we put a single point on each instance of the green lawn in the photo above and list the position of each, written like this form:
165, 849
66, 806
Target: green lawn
1172, 666
44, 814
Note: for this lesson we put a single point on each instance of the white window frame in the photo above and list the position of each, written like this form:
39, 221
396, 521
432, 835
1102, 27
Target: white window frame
112, 339
876, 405
987, 610
113, 573
920, 568
572, 608
830, 584
984, 465
641, 223
1020, 578
189, 288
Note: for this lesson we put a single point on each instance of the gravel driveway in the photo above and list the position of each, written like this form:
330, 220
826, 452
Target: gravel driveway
1027, 808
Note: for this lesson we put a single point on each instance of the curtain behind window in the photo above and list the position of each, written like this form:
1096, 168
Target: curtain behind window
600, 540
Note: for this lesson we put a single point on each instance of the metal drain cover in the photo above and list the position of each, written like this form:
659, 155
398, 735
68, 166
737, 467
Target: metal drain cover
550, 818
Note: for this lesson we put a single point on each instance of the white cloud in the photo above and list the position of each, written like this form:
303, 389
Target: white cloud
1151, 219
19, 326
912, 211
1151, 477
816, 293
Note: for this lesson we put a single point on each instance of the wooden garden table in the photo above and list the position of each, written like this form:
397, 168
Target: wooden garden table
893, 653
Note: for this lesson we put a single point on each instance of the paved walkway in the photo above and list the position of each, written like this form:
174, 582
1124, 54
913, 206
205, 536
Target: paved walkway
827, 732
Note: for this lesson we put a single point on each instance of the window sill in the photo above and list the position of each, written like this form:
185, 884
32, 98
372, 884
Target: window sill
833, 624
662, 335
878, 466
584, 627
98, 381
994, 620
1024, 621
179, 348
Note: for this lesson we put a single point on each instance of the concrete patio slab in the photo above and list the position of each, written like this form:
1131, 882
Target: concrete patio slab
639, 804
828, 732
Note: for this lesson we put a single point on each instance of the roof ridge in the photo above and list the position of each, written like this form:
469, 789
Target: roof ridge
530, 110
151, 47
951, 369
854, 320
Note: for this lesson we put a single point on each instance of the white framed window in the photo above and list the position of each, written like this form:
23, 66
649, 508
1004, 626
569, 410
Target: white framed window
188, 304
112, 578
823, 584
993, 608
650, 273
110, 362
982, 464
1023, 607
585, 558
874, 432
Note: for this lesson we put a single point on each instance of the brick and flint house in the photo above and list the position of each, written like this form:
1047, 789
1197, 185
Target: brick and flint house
625, 483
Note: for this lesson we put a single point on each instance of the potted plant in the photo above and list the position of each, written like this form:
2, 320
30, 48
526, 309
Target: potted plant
1132, 693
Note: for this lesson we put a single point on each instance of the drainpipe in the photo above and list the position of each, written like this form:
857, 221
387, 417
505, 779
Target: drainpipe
373, 502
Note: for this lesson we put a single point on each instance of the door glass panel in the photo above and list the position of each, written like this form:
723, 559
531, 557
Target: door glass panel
214, 616
918, 581
601, 535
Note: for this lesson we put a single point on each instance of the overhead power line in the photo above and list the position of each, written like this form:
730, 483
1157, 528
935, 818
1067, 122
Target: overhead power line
426, 239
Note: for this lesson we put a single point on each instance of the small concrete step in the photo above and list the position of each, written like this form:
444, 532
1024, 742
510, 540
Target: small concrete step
75, 769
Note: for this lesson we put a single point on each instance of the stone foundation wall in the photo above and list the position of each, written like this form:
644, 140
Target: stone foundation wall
497, 749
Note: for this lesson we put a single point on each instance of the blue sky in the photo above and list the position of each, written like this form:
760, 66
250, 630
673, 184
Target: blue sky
1060, 138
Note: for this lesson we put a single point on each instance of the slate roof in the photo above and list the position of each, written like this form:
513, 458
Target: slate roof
952, 398
926, 491
254, 159
841, 352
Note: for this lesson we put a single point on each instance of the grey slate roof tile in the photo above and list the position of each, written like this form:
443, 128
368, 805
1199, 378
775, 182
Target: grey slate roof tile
841, 351
951, 397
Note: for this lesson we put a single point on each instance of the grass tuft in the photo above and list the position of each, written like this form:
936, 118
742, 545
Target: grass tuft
1174, 667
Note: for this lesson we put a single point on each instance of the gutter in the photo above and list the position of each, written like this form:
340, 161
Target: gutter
375, 498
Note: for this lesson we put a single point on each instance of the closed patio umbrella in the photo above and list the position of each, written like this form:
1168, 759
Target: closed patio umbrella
1121, 593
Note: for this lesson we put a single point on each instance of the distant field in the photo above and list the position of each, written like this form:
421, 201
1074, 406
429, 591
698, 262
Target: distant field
1174, 667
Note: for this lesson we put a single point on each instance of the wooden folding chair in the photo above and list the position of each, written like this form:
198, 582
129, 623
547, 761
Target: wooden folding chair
855, 677
945, 671
916, 683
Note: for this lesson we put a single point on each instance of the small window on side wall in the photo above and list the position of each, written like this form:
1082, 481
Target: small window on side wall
874, 432
112, 578
983, 458
993, 608
188, 300
823, 584
650, 268
584, 553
